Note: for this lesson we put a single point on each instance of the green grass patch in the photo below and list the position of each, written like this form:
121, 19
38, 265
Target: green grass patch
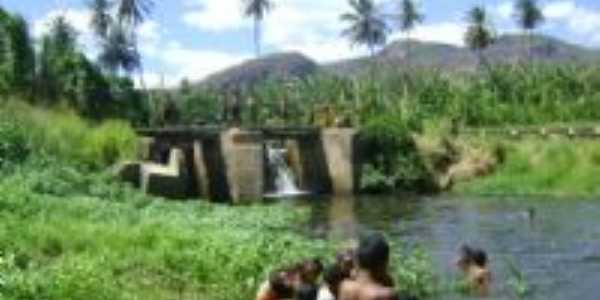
64, 135
71, 235
554, 166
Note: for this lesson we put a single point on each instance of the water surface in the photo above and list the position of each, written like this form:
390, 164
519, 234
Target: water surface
555, 243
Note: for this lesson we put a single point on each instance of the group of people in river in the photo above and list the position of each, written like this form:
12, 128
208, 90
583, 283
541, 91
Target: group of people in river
361, 273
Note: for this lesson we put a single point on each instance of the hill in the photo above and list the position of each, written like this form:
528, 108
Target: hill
507, 49
275, 66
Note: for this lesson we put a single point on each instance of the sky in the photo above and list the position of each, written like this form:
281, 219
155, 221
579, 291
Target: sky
194, 38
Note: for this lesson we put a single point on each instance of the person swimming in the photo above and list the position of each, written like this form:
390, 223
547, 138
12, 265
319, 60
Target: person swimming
473, 262
285, 283
371, 280
280, 285
335, 274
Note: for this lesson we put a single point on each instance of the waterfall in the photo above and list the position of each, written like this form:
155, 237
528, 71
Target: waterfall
284, 179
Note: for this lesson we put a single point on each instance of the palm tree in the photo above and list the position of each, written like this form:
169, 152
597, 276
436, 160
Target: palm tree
101, 18
480, 33
257, 9
408, 18
118, 51
130, 14
367, 26
529, 17
133, 12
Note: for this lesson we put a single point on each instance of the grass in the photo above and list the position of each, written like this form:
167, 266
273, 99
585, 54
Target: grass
67, 235
71, 235
64, 134
536, 166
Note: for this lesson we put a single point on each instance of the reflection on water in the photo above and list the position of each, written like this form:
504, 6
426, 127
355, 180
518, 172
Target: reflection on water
555, 243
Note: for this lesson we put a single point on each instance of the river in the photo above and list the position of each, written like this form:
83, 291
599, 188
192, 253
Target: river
554, 243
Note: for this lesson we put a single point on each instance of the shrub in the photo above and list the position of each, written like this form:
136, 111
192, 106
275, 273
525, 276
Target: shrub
14, 143
64, 135
392, 156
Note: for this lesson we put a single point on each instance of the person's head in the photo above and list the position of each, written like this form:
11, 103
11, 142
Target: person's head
470, 256
310, 270
345, 259
307, 292
373, 253
281, 284
333, 277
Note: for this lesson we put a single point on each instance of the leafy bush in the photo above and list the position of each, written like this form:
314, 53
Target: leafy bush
64, 135
391, 156
14, 143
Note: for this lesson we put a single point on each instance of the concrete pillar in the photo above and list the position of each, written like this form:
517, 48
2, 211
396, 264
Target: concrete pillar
243, 152
339, 145
200, 171
170, 180
308, 161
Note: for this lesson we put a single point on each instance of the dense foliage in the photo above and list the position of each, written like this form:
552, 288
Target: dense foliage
60, 74
534, 166
70, 231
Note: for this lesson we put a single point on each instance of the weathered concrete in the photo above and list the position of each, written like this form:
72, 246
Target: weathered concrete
231, 166
341, 155
244, 156
308, 161
200, 172
170, 181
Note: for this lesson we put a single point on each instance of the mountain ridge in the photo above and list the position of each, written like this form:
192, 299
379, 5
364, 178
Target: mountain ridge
507, 49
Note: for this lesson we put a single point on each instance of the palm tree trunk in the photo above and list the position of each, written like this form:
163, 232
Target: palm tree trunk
529, 45
408, 56
257, 36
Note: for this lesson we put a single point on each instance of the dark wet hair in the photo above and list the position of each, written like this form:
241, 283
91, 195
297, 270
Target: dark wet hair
345, 258
307, 292
473, 255
279, 285
333, 276
373, 252
313, 265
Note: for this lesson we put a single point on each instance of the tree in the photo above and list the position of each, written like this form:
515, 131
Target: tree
408, 18
130, 14
257, 10
118, 52
529, 16
101, 18
480, 34
17, 58
367, 27
133, 12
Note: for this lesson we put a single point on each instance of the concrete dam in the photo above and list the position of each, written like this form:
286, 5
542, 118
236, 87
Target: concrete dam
235, 165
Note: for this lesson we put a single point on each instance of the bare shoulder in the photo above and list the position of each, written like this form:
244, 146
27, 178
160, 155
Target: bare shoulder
383, 294
348, 290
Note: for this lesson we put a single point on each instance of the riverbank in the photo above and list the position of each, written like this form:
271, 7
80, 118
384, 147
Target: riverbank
69, 234
554, 166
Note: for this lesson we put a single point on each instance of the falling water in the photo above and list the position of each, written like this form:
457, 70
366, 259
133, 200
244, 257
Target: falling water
285, 181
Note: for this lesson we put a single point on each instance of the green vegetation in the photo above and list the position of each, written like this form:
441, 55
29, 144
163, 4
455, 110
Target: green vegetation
554, 166
70, 231
63, 134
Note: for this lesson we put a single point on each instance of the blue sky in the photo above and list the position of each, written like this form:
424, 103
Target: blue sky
193, 38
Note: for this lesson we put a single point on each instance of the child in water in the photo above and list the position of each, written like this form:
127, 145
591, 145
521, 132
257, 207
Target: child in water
473, 262
291, 282
371, 280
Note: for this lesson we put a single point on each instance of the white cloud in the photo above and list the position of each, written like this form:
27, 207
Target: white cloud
78, 18
194, 64
559, 9
505, 10
215, 16
578, 19
446, 32
150, 34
